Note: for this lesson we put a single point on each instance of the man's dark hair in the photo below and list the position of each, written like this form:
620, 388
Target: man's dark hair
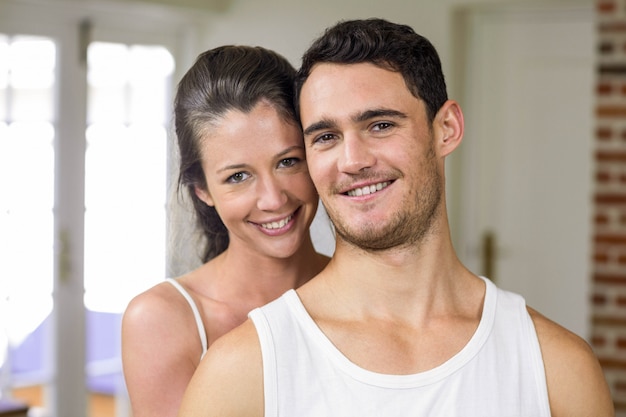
388, 45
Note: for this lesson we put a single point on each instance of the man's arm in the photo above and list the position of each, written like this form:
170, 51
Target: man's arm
229, 380
576, 384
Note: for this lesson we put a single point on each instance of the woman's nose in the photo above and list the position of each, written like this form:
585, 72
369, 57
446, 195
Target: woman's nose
270, 194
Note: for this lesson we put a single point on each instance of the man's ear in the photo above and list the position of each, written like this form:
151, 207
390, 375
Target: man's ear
448, 127
204, 195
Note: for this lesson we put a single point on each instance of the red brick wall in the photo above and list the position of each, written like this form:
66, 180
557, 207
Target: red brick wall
609, 240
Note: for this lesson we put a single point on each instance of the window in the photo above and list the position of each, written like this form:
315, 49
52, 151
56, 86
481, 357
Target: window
83, 166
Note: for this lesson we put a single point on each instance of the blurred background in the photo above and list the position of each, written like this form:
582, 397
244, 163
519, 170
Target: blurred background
88, 211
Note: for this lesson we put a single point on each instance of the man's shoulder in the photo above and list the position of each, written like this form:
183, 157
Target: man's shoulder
236, 351
576, 383
229, 380
554, 332
559, 343
241, 341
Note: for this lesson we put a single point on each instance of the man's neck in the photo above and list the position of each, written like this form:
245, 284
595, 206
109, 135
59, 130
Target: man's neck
397, 280
396, 301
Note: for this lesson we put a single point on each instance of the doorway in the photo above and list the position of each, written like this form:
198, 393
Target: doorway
525, 78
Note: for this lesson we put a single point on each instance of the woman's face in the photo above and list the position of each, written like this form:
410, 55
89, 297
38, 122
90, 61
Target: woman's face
258, 181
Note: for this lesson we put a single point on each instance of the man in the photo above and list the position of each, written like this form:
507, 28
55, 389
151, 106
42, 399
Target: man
395, 325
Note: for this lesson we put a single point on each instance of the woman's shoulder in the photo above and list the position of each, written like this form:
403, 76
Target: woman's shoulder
157, 310
160, 317
156, 299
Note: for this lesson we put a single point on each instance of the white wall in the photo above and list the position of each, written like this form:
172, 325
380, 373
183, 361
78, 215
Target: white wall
290, 25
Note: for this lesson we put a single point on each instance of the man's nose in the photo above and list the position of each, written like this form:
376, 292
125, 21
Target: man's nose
355, 155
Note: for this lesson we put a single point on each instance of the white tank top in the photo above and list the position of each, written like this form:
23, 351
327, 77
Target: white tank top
196, 314
499, 373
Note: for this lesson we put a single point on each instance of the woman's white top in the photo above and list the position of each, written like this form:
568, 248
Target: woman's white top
196, 314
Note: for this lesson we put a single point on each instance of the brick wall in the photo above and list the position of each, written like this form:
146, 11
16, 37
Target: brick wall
609, 240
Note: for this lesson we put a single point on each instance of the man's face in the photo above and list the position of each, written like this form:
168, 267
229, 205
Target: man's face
371, 155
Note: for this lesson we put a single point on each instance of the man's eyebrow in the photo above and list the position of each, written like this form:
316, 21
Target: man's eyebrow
360, 117
321, 125
374, 113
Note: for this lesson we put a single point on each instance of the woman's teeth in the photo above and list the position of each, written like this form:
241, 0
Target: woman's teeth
370, 189
277, 225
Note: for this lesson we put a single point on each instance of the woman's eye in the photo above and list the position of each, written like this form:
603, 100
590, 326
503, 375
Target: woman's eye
288, 162
237, 177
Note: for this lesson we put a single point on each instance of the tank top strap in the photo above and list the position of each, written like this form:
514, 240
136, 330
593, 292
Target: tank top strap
196, 313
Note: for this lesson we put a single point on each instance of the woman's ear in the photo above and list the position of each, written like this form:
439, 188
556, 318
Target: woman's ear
204, 195
449, 127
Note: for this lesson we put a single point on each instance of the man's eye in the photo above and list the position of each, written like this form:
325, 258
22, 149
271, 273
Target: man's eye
288, 162
381, 126
237, 177
324, 138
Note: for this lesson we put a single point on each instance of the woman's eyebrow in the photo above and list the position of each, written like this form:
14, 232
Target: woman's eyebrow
231, 167
289, 150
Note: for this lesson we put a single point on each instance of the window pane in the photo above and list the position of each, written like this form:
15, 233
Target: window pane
125, 172
31, 66
31, 62
107, 83
27, 69
125, 217
150, 71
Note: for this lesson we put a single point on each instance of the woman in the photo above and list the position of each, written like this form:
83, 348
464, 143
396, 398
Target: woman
243, 164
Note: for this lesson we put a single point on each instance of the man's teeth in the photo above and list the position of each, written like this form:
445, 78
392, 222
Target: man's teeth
370, 189
277, 225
